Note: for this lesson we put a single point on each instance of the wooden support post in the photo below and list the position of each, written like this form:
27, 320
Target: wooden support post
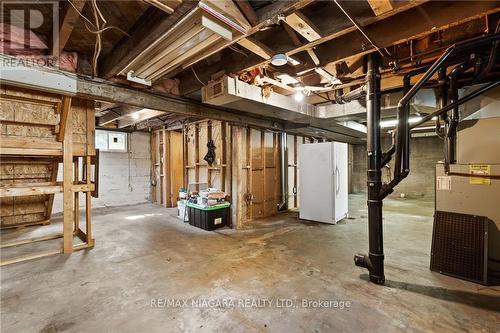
76, 209
223, 159
167, 168
53, 178
159, 196
67, 130
295, 173
88, 207
152, 175
197, 156
249, 174
185, 156
209, 137
66, 106
237, 189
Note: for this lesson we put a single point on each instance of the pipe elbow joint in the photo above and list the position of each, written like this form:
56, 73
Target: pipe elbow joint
362, 260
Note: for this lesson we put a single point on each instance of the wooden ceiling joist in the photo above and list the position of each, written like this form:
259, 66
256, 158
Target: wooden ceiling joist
300, 23
427, 16
248, 11
143, 35
380, 7
160, 4
395, 29
256, 47
68, 21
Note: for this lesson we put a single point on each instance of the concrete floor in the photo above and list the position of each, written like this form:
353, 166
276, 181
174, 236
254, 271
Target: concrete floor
143, 253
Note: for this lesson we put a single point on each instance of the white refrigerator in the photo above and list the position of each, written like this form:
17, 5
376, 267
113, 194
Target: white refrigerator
323, 179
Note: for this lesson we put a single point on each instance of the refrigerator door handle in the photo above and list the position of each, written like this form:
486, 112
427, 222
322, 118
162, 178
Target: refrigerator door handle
337, 172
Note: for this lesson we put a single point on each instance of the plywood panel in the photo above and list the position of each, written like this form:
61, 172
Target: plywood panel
29, 124
27, 114
25, 209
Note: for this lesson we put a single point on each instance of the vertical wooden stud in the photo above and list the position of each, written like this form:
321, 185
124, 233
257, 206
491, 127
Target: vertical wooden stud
68, 176
223, 159
76, 209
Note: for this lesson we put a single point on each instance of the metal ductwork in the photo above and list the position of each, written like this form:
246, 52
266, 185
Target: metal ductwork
238, 95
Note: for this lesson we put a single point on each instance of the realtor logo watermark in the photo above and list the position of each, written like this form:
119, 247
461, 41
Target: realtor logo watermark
258, 303
30, 30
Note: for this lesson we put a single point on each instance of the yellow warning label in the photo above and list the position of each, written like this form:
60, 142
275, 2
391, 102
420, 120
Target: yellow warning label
479, 169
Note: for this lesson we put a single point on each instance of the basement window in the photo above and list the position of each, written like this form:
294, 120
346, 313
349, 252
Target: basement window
111, 141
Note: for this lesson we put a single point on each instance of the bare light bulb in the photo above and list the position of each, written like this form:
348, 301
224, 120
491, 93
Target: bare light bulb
299, 96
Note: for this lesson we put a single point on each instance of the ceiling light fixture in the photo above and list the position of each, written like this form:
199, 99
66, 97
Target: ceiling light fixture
279, 59
299, 96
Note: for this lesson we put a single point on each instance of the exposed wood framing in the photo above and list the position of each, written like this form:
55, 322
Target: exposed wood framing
167, 166
68, 21
380, 7
97, 89
256, 47
160, 4
300, 23
67, 176
28, 179
248, 11
143, 35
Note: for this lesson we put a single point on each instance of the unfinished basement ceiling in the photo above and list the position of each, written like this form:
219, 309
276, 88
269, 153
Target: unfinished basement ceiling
178, 47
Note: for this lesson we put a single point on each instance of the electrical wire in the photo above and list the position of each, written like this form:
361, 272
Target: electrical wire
235, 49
196, 76
96, 28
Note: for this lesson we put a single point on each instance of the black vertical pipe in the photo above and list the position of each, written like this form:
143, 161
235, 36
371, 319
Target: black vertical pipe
375, 259
452, 128
406, 126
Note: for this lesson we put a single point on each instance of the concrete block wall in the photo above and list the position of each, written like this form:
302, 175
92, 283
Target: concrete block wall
124, 178
425, 152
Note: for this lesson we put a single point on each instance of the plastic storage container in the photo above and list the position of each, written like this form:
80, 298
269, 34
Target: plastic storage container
209, 218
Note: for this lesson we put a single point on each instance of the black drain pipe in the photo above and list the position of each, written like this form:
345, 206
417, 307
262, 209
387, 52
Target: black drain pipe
451, 131
374, 261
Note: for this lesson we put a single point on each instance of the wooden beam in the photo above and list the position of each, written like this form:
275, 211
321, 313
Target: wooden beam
67, 178
380, 7
28, 143
98, 89
248, 11
314, 56
256, 47
30, 190
116, 113
143, 35
280, 8
68, 21
395, 29
66, 105
229, 9
160, 4
291, 33
300, 23
428, 13
30, 152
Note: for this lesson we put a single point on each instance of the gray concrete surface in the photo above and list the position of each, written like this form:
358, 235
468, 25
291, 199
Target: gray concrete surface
425, 153
143, 253
124, 178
